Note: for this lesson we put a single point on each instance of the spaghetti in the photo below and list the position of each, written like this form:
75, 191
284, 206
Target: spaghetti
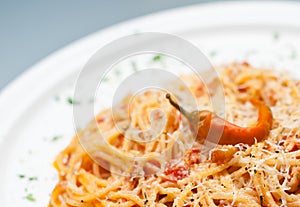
266, 173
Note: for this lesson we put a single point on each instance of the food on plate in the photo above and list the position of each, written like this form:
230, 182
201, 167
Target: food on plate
256, 163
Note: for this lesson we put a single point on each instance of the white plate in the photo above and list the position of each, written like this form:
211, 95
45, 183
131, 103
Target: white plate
34, 108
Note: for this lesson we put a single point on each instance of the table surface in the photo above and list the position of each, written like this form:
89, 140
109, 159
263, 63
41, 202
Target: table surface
31, 30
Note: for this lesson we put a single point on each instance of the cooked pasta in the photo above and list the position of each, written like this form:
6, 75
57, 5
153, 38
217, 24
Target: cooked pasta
266, 173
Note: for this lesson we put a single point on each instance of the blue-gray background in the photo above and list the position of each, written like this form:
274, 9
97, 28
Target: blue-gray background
30, 30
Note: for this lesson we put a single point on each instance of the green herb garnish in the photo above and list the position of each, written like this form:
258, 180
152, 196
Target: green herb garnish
293, 54
71, 101
32, 178
117, 72
276, 35
134, 66
156, 58
55, 138
21, 176
30, 197
213, 53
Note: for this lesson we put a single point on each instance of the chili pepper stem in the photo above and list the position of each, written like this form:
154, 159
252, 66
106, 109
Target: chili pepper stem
187, 114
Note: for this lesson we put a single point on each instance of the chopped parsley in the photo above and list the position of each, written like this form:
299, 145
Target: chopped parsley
21, 176
156, 58
213, 53
105, 79
276, 36
30, 197
32, 178
293, 54
56, 98
134, 66
71, 101
55, 138
117, 72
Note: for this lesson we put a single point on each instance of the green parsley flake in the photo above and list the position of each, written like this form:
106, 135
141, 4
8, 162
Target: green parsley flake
156, 58
21, 176
32, 178
134, 66
71, 101
213, 53
293, 54
56, 98
117, 72
55, 138
276, 36
30, 197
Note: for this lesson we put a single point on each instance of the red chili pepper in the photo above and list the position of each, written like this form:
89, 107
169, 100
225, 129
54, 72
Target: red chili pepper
232, 134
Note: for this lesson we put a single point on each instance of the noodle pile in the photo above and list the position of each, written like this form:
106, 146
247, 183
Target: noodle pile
264, 174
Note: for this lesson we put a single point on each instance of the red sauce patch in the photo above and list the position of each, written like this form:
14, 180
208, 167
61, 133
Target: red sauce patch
177, 171
193, 156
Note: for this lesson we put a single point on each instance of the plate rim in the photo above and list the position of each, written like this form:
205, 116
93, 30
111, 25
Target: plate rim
80, 50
